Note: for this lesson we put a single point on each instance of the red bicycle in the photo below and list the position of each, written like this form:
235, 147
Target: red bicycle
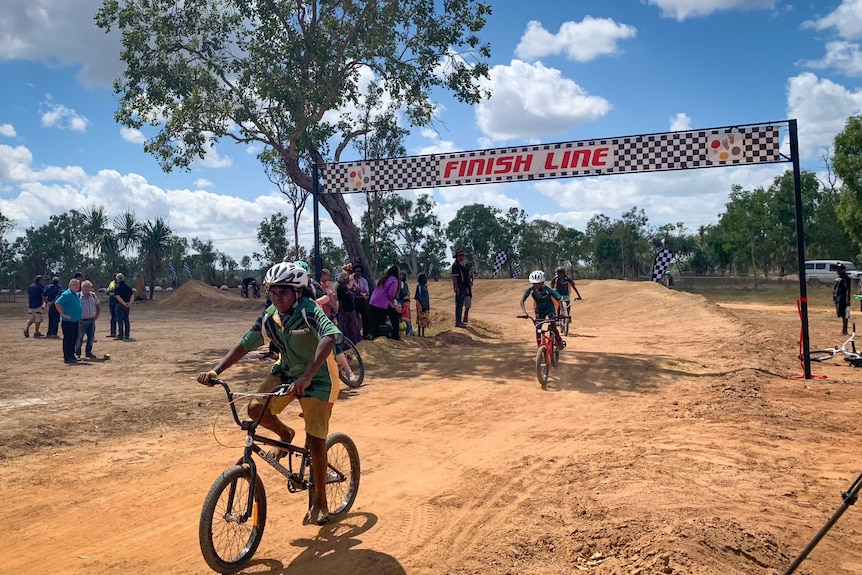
548, 353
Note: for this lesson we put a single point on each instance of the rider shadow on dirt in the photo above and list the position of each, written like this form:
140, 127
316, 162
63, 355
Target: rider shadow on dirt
331, 551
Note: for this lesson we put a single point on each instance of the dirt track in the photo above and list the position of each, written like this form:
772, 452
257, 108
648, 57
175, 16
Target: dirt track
670, 441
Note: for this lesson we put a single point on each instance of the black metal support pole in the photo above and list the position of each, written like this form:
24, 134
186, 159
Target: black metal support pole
315, 192
800, 247
849, 498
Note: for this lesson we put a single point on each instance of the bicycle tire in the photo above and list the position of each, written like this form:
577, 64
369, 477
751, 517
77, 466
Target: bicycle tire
342, 478
820, 354
354, 360
555, 358
542, 367
228, 545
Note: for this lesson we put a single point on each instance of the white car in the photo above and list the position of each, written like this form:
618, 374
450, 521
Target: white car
824, 270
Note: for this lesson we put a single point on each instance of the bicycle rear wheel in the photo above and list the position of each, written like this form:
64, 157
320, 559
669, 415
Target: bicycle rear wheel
342, 477
564, 321
542, 367
354, 360
229, 532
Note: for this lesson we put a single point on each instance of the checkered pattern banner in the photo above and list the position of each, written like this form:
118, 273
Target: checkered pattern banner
714, 147
516, 272
499, 260
662, 262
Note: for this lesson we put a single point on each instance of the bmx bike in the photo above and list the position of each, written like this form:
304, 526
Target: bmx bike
847, 350
354, 360
548, 353
565, 319
233, 516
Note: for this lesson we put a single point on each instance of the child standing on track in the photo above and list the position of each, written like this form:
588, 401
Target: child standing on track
423, 304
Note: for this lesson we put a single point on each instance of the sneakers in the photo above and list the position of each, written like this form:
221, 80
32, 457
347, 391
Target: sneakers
91, 356
460, 324
353, 378
38, 334
26, 333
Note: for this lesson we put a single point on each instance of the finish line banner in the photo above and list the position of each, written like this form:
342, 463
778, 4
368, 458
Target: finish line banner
715, 147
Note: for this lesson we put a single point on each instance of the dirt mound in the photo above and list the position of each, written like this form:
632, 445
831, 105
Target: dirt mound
196, 295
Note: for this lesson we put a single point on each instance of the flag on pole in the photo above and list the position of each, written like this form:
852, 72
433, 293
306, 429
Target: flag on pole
662, 262
517, 271
187, 269
173, 270
499, 260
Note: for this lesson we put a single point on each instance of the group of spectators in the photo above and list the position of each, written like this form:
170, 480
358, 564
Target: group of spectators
364, 312
75, 311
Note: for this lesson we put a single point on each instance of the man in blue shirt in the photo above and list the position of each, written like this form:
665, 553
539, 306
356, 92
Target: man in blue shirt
69, 306
35, 304
52, 292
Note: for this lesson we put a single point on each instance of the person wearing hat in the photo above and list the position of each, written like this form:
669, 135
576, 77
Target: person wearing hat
841, 296
461, 285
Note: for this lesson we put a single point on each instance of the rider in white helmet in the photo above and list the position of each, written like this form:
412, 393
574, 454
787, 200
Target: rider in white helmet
543, 302
304, 338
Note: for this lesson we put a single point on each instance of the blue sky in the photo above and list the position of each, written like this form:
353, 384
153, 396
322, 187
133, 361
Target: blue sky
561, 70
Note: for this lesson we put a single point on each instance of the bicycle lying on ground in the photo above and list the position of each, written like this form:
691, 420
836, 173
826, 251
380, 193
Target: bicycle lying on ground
233, 516
548, 353
847, 349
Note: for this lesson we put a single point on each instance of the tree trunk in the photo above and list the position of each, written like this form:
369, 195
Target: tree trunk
340, 214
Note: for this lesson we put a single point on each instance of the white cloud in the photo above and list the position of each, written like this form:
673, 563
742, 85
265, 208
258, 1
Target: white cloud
680, 122
437, 145
694, 197
579, 41
132, 135
821, 107
203, 183
60, 116
683, 9
60, 34
531, 100
846, 19
212, 159
842, 56
7, 130
16, 166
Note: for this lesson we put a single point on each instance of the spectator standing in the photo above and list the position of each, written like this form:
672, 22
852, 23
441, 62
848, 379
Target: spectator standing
112, 305
460, 283
423, 304
331, 305
405, 315
403, 289
348, 319
52, 292
35, 305
125, 296
841, 293
90, 310
360, 298
69, 306
384, 304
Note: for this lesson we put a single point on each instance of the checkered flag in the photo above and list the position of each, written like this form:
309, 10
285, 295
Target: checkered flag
187, 269
516, 273
499, 260
173, 270
662, 262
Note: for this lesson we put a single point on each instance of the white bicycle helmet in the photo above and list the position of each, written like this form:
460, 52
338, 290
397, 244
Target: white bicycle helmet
537, 277
286, 274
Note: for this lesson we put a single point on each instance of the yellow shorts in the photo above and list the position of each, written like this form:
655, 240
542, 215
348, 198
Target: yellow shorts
315, 412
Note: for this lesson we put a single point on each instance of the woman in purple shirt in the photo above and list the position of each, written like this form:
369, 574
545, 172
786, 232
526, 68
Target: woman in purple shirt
382, 303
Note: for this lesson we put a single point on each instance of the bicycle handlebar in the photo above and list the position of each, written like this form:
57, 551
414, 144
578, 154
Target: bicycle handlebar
281, 390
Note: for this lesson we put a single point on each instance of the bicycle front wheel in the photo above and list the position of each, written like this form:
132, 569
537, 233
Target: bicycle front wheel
821, 354
231, 524
354, 360
342, 476
542, 367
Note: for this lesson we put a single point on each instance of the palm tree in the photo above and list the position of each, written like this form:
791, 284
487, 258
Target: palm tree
98, 236
127, 231
155, 243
